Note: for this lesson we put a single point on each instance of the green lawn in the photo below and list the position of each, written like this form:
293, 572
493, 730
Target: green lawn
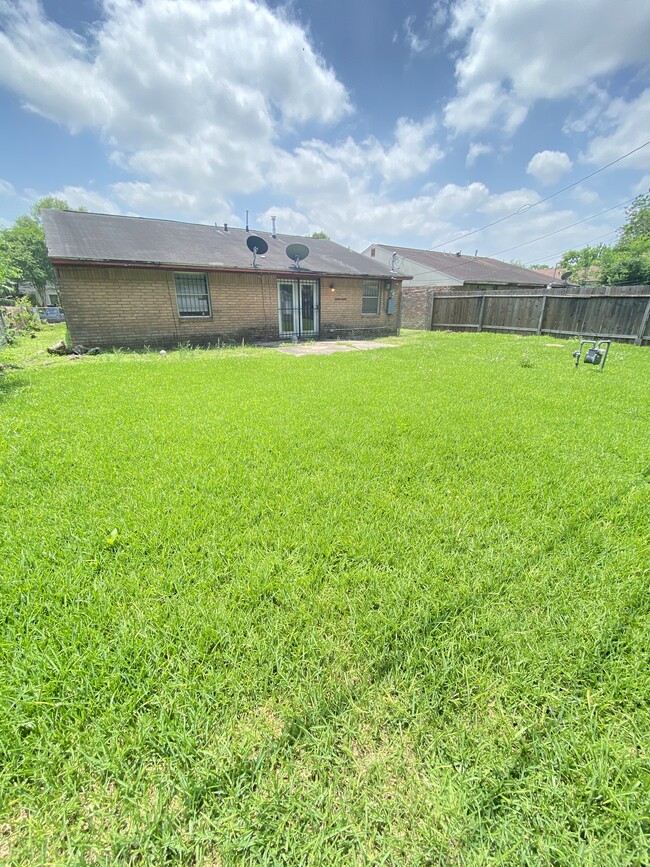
385, 607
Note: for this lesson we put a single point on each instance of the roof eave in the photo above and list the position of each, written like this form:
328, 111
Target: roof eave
124, 263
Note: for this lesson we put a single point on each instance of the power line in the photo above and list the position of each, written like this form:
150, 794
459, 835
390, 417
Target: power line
562, 252
557, 231
525, 208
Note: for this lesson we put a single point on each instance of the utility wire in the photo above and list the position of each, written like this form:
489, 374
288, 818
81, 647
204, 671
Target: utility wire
562, 252
557, 231
525, 208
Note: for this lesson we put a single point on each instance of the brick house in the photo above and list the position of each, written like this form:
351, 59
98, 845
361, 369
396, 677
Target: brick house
131, 281
447, 273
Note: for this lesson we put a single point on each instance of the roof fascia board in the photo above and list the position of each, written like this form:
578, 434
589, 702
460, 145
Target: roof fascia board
168, 266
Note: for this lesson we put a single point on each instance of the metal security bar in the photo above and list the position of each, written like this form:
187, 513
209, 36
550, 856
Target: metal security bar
192, 294
371, 297
299, 308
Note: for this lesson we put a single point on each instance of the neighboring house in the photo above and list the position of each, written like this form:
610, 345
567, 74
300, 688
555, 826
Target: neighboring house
47, 297
453, 270
131, 281
433, 272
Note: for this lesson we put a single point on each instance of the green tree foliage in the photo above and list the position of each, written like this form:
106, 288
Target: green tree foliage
23, 252
638, 221
50, 203
320, 234
628, 261
8, 273
23, 247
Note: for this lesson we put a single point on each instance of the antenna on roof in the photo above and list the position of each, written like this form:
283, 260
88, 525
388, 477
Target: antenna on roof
393, 260
247, 219
257, 246
297, 252
273, 219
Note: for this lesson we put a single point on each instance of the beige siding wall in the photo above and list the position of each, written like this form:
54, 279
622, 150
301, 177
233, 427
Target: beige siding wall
111, 306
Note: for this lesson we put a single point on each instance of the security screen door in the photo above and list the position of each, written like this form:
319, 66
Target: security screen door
299, 308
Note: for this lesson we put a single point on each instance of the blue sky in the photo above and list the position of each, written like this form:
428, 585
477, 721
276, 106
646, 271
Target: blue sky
411, 124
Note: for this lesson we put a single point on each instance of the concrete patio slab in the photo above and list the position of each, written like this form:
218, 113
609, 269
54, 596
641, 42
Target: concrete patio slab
329, 347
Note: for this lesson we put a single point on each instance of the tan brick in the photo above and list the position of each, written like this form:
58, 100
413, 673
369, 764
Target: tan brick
137, 306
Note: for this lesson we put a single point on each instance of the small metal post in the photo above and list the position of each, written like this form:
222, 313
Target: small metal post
541, 315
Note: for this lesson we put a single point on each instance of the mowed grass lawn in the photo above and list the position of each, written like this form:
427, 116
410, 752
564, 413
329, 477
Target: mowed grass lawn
386, 607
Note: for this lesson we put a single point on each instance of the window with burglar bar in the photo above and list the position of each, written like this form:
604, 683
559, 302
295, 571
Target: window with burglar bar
192, 294
371, 296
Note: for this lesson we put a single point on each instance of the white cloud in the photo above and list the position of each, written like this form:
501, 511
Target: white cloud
320, 171
189, 95
79, 197
549, 166
476, 150
521, 51
415, 42
625, 125
6, 189
643, 186
289, 221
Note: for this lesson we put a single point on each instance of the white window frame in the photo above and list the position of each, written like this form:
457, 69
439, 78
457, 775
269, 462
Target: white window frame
188, 297
375, 285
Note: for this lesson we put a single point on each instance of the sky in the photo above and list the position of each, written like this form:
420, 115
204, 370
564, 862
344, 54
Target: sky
471, 125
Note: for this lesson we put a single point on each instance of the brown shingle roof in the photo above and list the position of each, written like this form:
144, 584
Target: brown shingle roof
81, 236
469, 269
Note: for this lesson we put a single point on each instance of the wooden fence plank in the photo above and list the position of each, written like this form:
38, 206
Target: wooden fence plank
617, 317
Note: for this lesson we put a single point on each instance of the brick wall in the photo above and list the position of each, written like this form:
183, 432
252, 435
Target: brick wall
121, 306
341, 315
416, 308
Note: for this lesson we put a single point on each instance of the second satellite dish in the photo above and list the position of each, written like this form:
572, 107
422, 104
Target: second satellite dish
257, 246
297, 252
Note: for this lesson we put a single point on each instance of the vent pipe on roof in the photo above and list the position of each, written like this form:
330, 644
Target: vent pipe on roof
475, 253
273, 219
247, 219
225, 227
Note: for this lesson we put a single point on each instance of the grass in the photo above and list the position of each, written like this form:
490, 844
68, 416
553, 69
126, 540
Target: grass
373, 608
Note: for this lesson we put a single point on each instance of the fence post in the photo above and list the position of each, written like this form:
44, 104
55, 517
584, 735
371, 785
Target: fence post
644, 324
433, 301
541, 315
480, 314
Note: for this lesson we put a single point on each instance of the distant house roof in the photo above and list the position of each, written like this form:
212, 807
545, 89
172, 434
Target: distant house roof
103, 238
552, 274
467, 269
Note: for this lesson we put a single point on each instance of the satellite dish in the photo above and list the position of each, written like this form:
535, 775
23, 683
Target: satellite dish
566, 276
297, 252
257, 246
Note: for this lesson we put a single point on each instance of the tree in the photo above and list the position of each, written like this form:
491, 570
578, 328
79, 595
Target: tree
8, 274
51, 203
628, 261
23, 249
638, 221
320, 234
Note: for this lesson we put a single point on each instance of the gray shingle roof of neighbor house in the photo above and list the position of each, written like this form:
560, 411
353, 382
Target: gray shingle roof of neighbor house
82, 236
469, 269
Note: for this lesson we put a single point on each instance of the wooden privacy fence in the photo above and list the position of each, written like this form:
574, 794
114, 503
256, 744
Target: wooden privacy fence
625, 318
